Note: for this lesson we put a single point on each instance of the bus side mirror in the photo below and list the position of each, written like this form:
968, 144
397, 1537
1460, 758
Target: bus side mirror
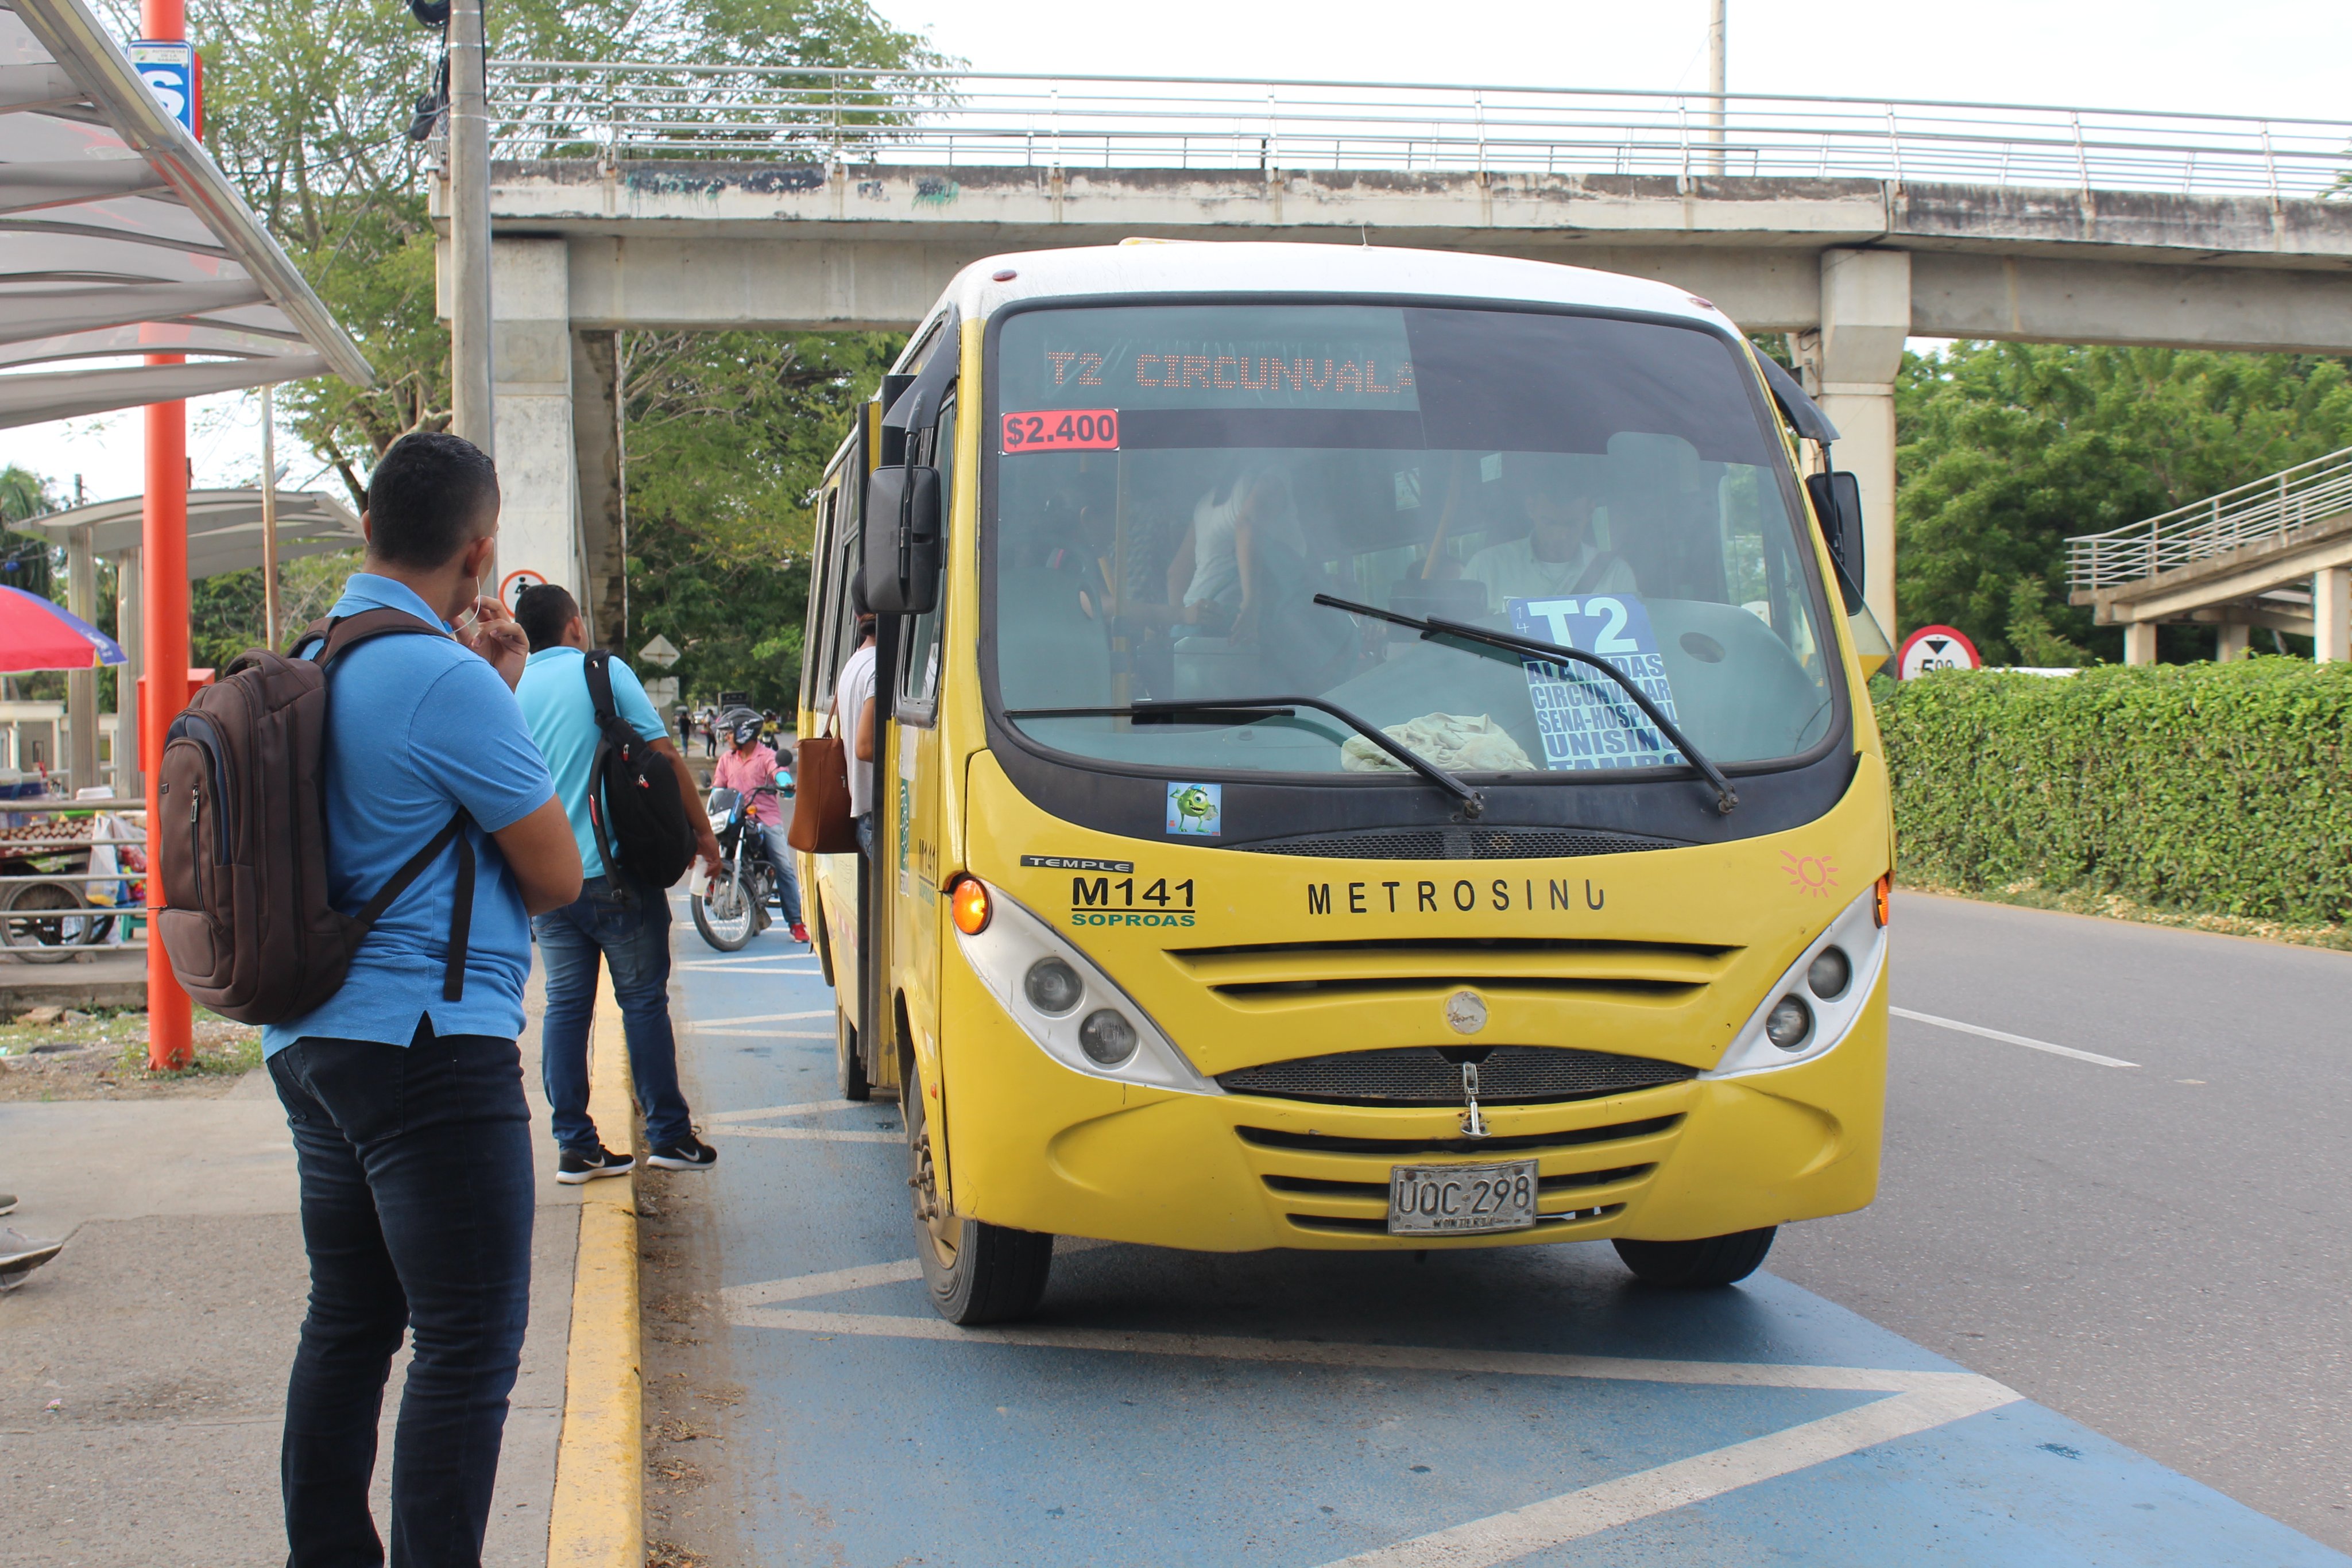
1837, 501
902, 539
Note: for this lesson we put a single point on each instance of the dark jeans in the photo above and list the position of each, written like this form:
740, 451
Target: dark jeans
788, 882
865, 825
630, 929
416, 1211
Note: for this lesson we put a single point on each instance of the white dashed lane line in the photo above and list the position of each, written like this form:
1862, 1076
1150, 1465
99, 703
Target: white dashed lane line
2030, 1044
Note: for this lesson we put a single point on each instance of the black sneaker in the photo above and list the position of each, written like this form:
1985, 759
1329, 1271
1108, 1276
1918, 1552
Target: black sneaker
688, 1154
576, 1167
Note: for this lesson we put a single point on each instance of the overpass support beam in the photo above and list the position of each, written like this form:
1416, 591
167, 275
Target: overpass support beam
2139, 641
539, 526
1866, 316
2331, 614
2229, 642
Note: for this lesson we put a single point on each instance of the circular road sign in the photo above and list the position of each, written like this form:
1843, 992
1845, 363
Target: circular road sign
511, 585
1933, 648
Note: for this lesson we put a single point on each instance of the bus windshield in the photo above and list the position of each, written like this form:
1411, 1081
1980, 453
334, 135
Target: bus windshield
1173, 485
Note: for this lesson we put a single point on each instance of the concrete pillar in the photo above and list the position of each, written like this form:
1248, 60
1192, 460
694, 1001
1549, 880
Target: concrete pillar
2230, 642
1866, 316
2139, 641
127, 779
2331, 614
531, 333
81, 685
594, 442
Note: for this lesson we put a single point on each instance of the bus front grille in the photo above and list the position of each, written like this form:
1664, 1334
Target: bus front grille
1404, 1148
1463, 844
1429, 1075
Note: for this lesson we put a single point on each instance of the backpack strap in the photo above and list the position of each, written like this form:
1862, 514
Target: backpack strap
598, 667
329, 640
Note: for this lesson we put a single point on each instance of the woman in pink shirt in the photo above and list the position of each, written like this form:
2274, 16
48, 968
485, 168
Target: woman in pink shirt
745, 765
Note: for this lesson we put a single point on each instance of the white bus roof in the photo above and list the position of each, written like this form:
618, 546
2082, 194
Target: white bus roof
1154, 266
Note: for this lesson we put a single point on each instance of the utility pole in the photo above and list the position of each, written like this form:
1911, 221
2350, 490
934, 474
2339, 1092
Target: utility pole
269, 520
1714, 81
469, 228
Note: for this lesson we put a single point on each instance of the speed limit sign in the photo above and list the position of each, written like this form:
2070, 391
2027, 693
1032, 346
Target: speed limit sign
511, 586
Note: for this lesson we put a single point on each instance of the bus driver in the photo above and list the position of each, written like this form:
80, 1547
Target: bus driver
1558, 556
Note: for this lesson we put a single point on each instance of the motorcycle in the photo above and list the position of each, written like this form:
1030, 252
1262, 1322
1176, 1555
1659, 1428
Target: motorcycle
731, 904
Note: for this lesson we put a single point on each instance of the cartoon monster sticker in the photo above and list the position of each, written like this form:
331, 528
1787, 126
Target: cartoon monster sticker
1193, 808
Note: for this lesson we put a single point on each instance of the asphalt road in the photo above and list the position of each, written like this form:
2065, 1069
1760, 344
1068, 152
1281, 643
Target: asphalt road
1852, 1406
2164, 1251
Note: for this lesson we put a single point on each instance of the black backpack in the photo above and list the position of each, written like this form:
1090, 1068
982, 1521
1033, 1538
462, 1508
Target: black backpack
634, 803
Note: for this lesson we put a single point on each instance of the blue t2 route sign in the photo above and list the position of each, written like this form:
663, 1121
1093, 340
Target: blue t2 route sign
168, 66
1585, 718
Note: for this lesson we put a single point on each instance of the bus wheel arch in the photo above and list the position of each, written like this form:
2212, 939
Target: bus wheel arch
976, 1272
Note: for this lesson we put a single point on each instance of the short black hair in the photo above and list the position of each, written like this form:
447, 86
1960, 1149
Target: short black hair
428, 497
542, 611
865, 627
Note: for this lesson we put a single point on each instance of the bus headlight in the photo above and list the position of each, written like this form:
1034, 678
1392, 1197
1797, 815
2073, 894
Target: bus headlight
1814, 1005
1068, 1006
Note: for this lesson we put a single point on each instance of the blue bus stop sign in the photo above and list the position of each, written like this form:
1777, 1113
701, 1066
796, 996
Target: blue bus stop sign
168, 66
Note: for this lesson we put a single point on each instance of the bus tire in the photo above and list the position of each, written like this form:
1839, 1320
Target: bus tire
1704, 1265
977, 1272
850, 1065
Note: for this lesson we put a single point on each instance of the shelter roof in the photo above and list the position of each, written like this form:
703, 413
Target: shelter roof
120, 237
223, 528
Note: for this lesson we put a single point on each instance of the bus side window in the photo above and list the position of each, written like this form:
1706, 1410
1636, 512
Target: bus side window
918, 661
816, 671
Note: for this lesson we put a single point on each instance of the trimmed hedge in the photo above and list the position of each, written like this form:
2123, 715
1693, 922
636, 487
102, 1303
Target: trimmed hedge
2216, 788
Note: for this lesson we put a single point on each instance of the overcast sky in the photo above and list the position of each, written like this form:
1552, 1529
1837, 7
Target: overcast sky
2279, 57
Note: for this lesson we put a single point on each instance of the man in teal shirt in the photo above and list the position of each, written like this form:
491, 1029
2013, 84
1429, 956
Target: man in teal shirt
616, 919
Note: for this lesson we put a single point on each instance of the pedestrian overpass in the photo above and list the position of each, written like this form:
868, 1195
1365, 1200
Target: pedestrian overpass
716, 197
2275, 554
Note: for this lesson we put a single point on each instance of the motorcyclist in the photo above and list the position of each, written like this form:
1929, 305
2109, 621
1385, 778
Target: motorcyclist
748, 765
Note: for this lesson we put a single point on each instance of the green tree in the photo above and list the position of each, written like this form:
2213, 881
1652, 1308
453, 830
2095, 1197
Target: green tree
2007, 449
720, 566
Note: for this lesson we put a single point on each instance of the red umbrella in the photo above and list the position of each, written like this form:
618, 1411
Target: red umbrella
36, 634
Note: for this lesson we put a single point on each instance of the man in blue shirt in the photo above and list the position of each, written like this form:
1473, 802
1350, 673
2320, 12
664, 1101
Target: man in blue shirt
614, 917
411, 1134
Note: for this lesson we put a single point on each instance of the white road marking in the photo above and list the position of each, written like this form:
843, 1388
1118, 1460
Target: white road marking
1386, 1357
808, 1134
1979, 1029
760, 1017
745, 959
1506, 1537
739, 1297
768, 1033
690, 968
805, 1108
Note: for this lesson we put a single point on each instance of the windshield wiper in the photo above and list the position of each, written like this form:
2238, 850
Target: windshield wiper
1726, 796
1250, 709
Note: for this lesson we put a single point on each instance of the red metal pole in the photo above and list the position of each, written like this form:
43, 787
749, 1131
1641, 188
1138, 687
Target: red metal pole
163, 546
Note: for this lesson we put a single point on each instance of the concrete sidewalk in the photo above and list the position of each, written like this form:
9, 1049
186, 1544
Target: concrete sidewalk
142, 1374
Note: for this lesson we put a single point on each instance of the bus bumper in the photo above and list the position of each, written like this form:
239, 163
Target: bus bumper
1034, 1146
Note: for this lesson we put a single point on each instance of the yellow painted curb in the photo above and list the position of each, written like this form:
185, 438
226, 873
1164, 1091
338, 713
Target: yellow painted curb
598, 1519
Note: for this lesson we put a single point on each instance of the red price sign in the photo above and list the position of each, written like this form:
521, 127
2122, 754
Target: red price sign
1080, 430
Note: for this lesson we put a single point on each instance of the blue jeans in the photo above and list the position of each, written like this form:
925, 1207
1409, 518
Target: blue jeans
788, 882
416, 1210
866, 835
631, 930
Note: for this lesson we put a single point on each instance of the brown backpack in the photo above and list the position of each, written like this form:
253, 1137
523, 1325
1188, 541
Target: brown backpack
239, 838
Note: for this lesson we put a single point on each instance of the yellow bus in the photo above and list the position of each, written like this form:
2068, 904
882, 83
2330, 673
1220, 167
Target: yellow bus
1371, 753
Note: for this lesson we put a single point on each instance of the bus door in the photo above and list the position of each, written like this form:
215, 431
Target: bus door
910, 797
833, 885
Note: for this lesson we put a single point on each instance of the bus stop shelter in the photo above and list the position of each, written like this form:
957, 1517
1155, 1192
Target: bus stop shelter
132, 273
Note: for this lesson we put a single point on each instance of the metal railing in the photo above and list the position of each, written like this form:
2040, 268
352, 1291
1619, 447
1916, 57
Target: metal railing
2268, 509
550, 108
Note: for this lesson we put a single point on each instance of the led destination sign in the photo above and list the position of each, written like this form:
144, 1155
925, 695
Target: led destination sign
1207, 357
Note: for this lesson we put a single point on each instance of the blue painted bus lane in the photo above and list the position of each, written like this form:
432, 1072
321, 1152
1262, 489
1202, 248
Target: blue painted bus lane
1529, 1404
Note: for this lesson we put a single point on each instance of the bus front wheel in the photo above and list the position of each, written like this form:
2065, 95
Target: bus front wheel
978, 1272
1706, 1264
